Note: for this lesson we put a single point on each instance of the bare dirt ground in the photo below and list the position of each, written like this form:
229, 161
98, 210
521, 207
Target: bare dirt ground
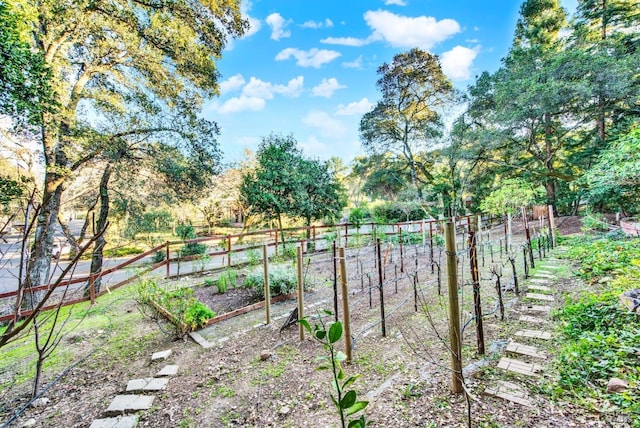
405, 375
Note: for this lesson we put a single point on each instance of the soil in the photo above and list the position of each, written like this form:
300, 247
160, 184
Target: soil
404, 373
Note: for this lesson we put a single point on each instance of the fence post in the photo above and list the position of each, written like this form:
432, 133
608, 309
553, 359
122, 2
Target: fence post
528, 235
431, 244
168, 262
300, 294
346, 235
454, 311
92, 288
276, 242
401, 249
380, 287
507, 244
335, 281
228, 250
473, 256
346, 322
552, 227
267, 288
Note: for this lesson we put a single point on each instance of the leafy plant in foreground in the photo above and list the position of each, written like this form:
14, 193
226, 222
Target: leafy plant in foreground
345, 400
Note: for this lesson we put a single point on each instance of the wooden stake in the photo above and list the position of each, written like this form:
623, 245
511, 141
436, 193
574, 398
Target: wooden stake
552, 227
475, 278
346, 320
454, 311
267, 288
300, 293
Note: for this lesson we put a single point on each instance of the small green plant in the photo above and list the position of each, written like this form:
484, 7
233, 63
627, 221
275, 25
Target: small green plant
345, 400
193, 249
253, 257
122, 251
222, 284
438, 240
209, 282
159, 256
282, 280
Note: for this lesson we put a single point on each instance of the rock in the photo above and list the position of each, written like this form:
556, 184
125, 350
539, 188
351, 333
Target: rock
616, 385
265, 355
285, 410
40, 402
29, 423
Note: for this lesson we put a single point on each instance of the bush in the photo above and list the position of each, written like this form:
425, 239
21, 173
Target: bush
185, 232
359, 215
187, 312
283, 279
159, 256
394, 212
122, 251
192, 249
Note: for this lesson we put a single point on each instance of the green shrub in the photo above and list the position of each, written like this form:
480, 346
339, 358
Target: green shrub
188, 313
253, 257
393, 212
283, 279
159, 256
358, 216
122, 251
594, 222
193, 249
228, 278
186, 232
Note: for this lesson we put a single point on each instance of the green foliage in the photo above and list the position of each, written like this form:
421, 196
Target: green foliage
358, 215
283, 279
510, 196
614, 181
393, 212
10, 190
600, 336
209, 282
344, 399
185, 232
594, 222
186, 311
284, 182
122, 251
159, 256
253, 257
226, 279
192, 249
602, 256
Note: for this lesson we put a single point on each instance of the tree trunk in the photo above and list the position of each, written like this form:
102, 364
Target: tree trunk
550, 185
98, 255
39, 266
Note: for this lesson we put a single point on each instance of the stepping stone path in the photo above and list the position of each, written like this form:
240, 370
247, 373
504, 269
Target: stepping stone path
123, 406
526, 358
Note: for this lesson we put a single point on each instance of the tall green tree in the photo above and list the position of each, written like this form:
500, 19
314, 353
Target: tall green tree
285, 183
408, 118
148, 64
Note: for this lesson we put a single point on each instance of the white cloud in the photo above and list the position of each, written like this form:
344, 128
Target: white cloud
232, 83
278, 25
356, 63
242, 103
314, 147
318, 24
327, 125
408, 32
326, 88
457, 62
355, 108
348, 41
265, 90
312, 58
396, 2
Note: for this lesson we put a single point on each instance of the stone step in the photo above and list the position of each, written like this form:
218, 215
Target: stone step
534, 334
538, 287
543, 275
522, 349
539, 281
534, 320
170, 370
117, 422
161, 355
536, 308
538, 296
147, 384
126, 403
520, 367
511, 392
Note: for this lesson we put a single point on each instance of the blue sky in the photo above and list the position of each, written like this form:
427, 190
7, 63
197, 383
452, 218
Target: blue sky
308, 67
